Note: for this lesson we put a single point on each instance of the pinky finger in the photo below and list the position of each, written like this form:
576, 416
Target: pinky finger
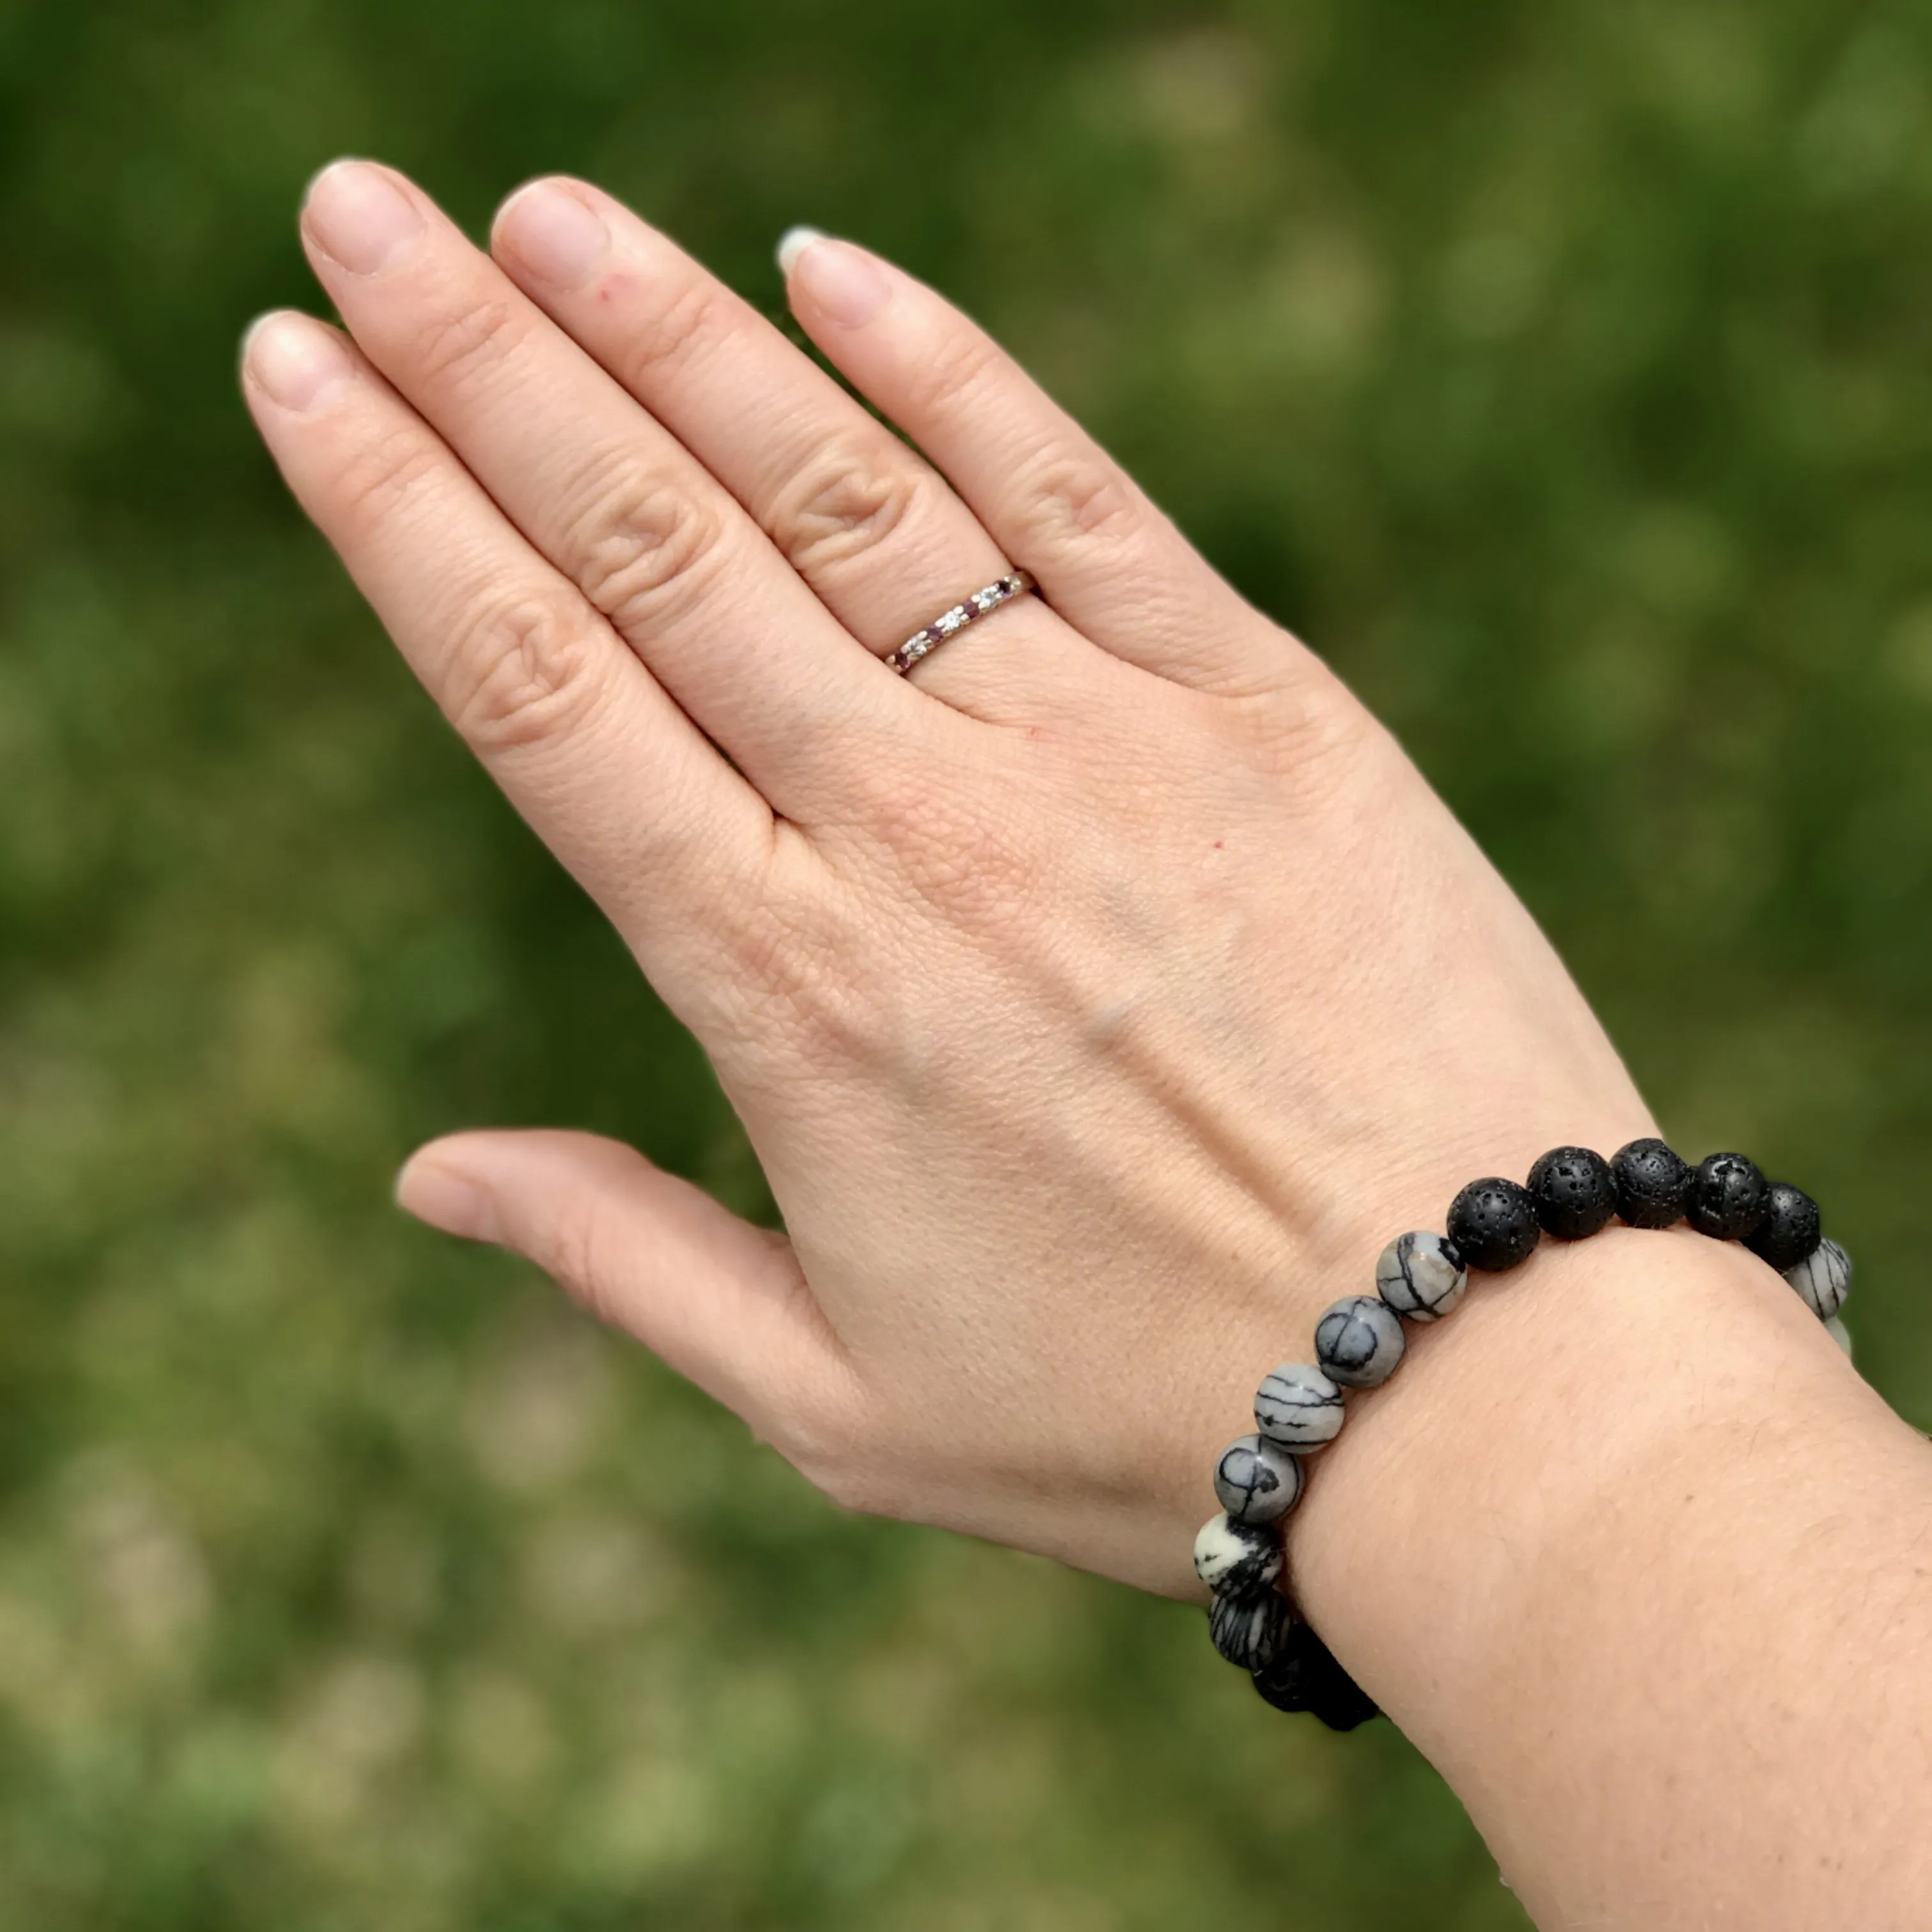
723, 1303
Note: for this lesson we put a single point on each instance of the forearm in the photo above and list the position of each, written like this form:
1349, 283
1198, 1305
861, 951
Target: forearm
1639, 1561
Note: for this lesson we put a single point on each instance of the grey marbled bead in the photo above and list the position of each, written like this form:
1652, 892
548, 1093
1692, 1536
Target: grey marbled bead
1421, 1275
1298, 1406
1840, 1333
1823, 1279
1237, 1559
1257, 1481
1248, 1630
1359, 1342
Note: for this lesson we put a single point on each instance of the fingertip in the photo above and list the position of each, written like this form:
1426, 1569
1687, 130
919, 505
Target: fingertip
328, 168
362, 216
504, 217
294, 360
792, 243
837, 281
438, 1189
258, 330
550, 228
536, 184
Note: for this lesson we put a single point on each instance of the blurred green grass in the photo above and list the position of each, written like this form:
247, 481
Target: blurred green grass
1561, 370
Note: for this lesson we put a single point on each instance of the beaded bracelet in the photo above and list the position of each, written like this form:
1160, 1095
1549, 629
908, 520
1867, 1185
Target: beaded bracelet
1494, 1225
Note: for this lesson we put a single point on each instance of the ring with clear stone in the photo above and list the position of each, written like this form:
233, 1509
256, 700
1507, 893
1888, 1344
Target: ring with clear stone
949, 623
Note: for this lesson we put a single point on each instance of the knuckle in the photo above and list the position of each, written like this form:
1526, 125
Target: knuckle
844, 504
1077, 495
1298, 724
523, 670
952, 374
449, 354
647, 545
386, 475
674, 335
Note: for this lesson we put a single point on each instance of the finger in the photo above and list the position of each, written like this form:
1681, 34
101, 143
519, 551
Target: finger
609, 772
722, 1302
653, 540
865, 519
1107, 559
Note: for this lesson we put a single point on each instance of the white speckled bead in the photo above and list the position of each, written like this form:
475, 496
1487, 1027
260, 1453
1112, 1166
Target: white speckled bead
1236, 1559
1421, 1275
1840, 1333
1823, 1279
1298, 1407
1248, 1630
1359, 1342
1256, 1481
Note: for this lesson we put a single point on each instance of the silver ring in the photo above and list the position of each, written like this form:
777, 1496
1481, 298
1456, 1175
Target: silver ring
1004, 591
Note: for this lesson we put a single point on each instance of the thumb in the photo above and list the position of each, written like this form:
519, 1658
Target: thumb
723, 1303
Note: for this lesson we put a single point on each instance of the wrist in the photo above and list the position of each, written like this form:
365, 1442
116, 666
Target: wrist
1516, 1426
1594, 1493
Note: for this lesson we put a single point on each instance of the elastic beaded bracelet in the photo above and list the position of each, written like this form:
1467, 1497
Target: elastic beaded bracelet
1493, 1224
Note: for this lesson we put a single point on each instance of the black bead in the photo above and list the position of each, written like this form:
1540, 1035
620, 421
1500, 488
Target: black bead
1304, 1676
1574, 1192
1493, 1224
1652, 1184
1342, 1703
1728, 1198
1790, 1231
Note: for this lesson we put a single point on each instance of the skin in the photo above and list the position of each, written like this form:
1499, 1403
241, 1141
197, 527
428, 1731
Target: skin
1099, 999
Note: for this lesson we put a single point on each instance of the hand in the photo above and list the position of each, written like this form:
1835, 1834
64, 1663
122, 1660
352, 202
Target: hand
1099, 999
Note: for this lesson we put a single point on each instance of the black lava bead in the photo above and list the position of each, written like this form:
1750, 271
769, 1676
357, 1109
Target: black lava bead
1728, 1198
1574, 1192
1790, 1231
1651, 1183
1493, 1224
1304, 1676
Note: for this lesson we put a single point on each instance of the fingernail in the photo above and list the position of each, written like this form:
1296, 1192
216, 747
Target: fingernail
792, 243
359, 217
553, 234
295, 361
448, 1201
844, 283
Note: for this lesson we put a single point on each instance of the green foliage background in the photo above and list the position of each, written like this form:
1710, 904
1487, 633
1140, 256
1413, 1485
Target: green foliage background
1563, 370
